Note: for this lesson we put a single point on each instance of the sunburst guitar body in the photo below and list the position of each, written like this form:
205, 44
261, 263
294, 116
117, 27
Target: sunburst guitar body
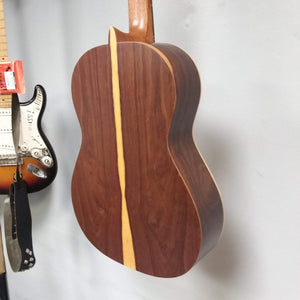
24, 144
141, 191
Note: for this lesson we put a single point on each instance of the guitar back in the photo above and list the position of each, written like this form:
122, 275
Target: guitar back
141, 192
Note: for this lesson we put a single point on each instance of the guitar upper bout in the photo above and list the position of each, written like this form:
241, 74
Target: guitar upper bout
32, 140
33, 143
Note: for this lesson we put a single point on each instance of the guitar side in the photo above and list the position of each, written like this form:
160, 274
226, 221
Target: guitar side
187, 157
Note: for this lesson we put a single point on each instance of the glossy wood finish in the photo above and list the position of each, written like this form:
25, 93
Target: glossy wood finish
141, 28
127, 243
95, 185
141, 191
173, 204
141, 20
7, 175
184, 152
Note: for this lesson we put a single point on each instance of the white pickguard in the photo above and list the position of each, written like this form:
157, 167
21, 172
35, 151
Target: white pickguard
30, 144
7, 149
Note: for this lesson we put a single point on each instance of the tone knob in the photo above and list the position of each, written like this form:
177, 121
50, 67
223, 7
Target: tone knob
36, 153
47, 161
24, 148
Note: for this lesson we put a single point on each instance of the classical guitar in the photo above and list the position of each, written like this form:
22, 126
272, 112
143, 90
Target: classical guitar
141, 191
23, 145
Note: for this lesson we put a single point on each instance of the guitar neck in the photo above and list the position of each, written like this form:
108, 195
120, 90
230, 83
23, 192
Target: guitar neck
3, 41
141, 20
5, 100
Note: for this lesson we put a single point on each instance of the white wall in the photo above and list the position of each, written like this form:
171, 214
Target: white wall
247, 128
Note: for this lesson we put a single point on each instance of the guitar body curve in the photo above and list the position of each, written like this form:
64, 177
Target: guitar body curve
38, 165
134, 188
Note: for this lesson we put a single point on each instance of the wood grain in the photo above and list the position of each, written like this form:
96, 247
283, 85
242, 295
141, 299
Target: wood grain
141, 27
197, 176
96, 191
5, 101
173, 204
141, 20
163, 217
128, 251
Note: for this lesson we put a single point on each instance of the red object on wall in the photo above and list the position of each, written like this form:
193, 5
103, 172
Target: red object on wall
11, 77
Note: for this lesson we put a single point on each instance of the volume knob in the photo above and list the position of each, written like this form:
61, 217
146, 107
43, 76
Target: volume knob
47, 161
36, 153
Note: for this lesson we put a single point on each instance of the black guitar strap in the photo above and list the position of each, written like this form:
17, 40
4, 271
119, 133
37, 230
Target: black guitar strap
17, 220
3, 282
17, 215
3, 287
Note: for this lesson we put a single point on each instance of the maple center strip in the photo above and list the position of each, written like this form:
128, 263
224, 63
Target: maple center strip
128, 251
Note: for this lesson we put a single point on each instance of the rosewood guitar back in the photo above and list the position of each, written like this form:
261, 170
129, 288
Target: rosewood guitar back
141, 191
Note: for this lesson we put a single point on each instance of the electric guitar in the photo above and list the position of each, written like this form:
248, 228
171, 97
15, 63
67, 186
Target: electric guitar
141, 191
23, 145
27, 161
